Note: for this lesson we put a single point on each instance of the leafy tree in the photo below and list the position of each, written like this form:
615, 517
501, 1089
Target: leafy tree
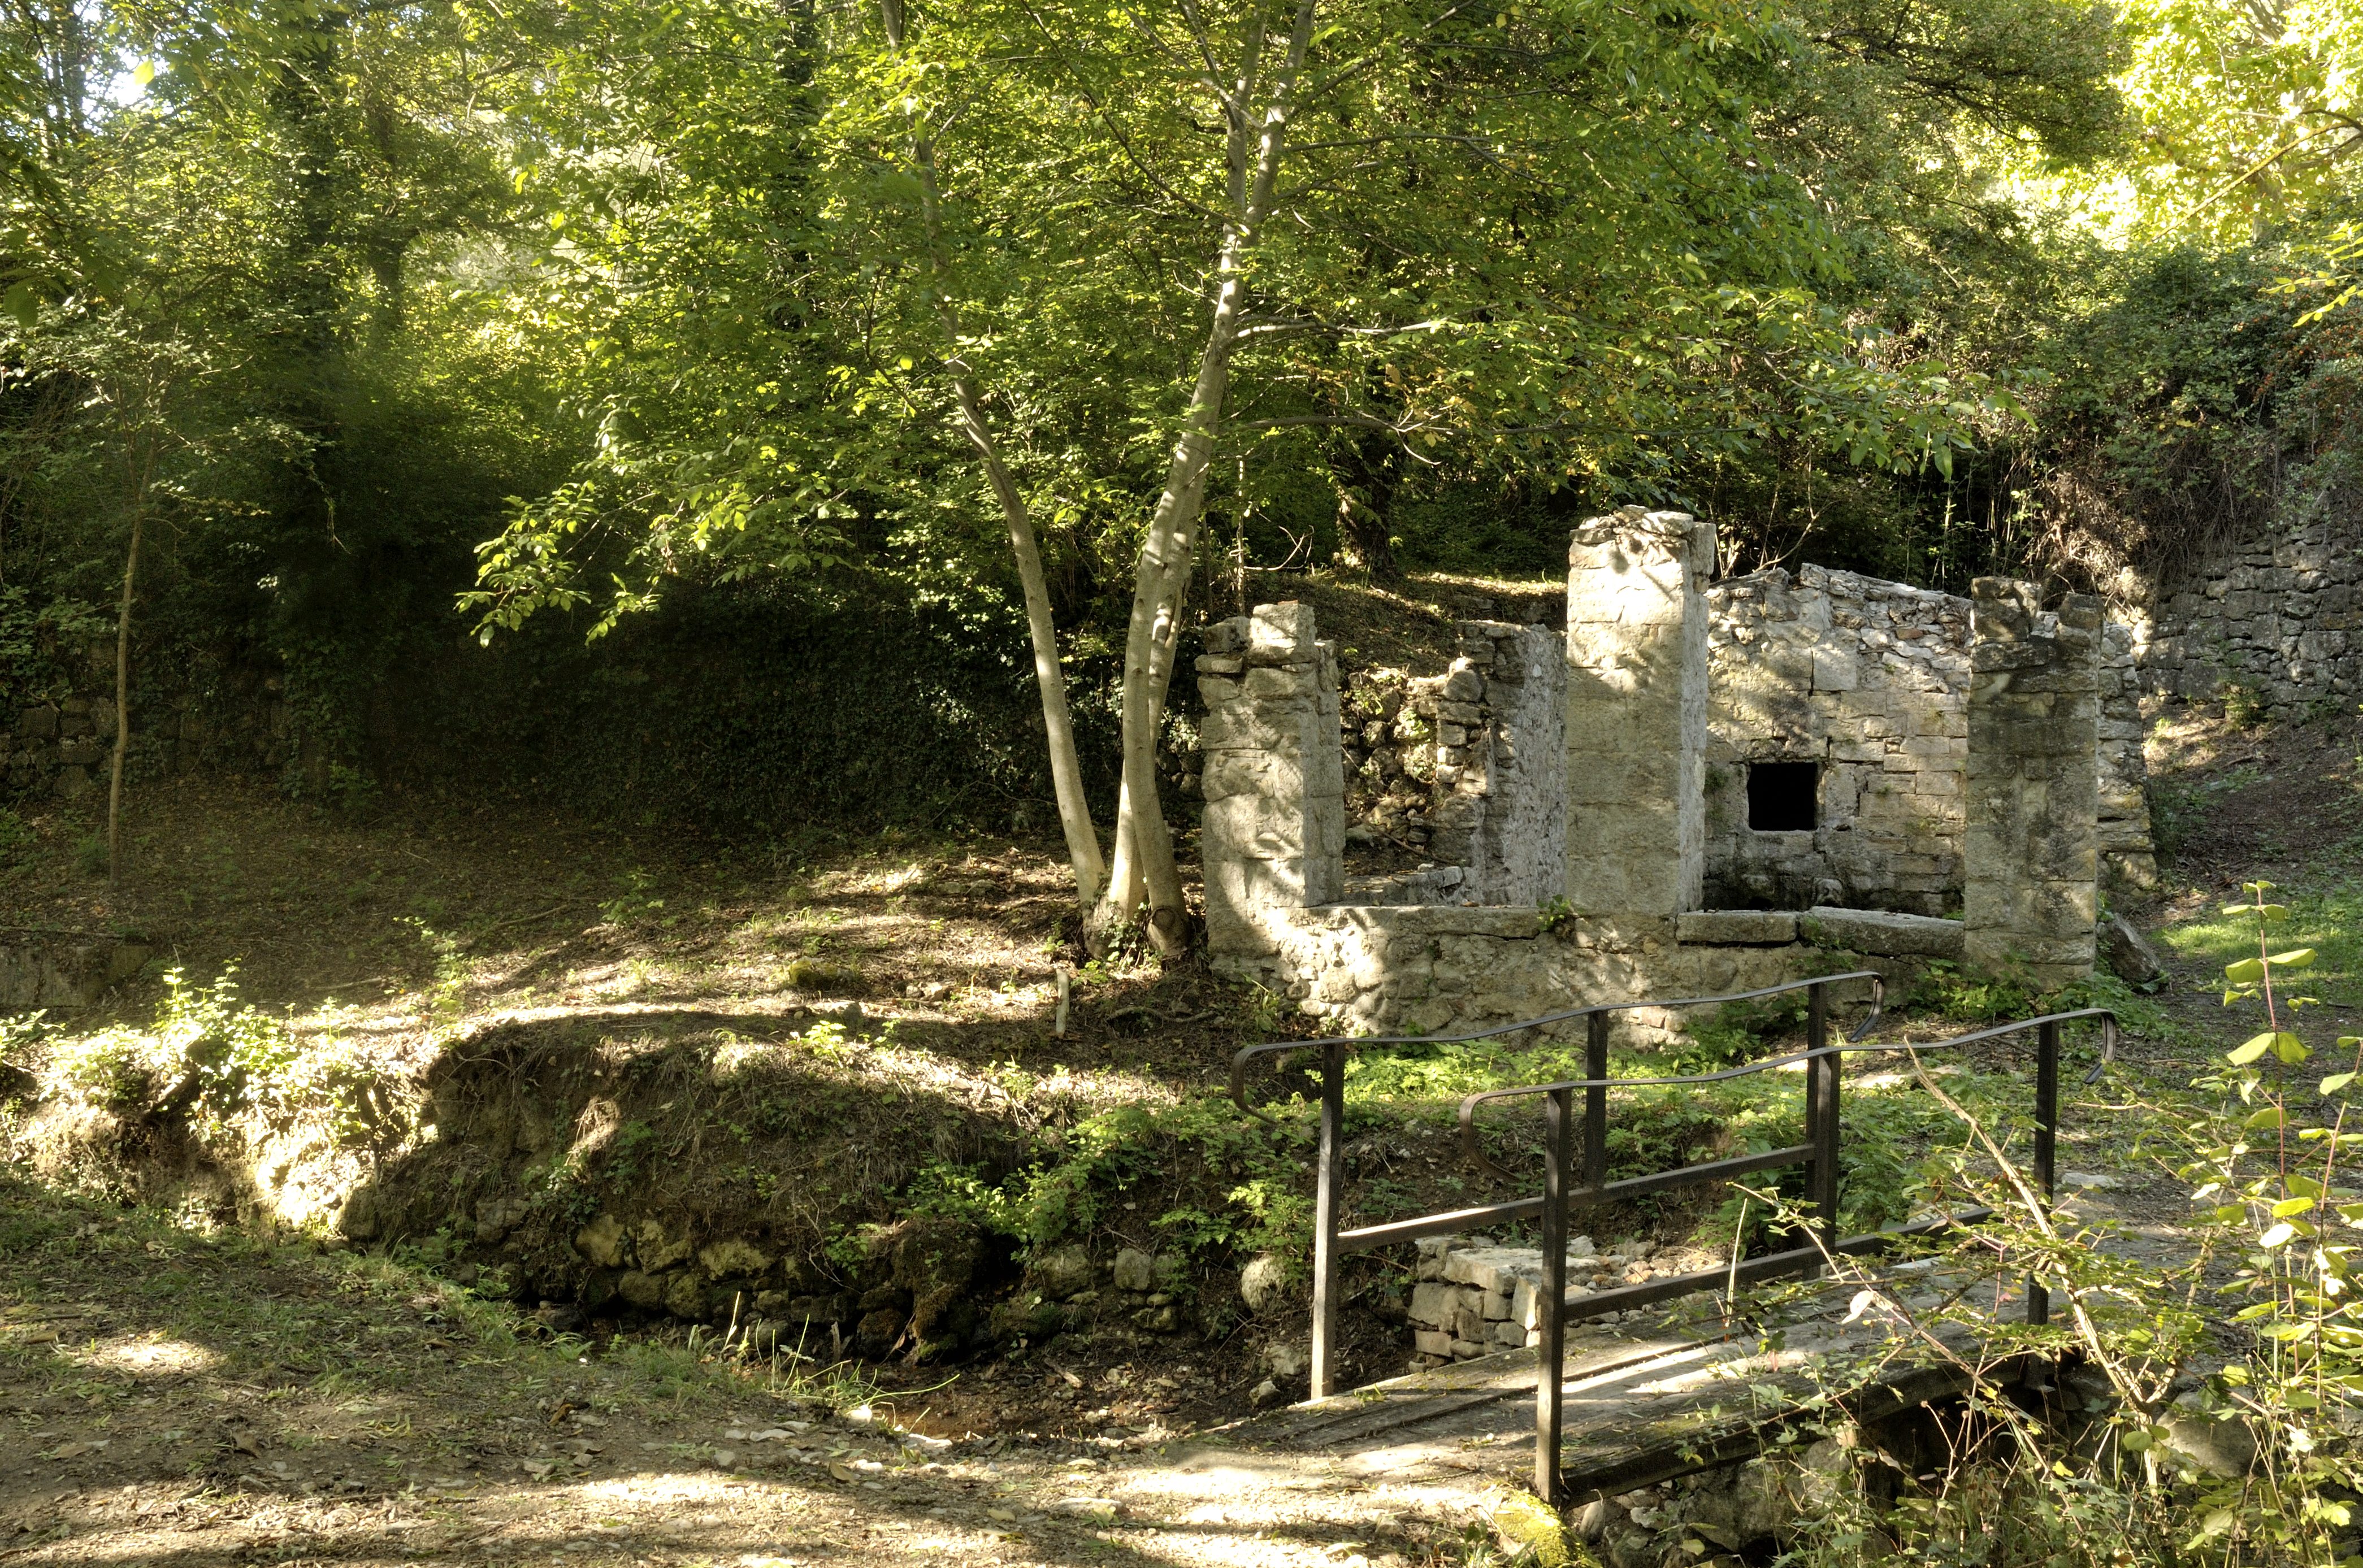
1065, 260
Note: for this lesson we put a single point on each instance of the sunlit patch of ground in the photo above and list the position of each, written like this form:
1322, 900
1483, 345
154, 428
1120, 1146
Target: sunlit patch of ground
167, 1398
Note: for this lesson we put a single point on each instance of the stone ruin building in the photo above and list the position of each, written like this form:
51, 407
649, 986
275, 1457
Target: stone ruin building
1689, 788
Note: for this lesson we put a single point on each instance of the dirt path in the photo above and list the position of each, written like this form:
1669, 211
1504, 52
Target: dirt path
171, 1398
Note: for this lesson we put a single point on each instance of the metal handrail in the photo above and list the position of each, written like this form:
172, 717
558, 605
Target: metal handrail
1851, 1045
1819, 1155
1329, 1155
1356, 1042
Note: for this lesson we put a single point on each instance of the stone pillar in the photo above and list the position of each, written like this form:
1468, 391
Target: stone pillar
1274, 775
2128, 856
1637, 720
1520, 857
2030, 854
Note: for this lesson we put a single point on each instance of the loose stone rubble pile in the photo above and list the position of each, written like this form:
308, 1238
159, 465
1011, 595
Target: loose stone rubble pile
1474, 1297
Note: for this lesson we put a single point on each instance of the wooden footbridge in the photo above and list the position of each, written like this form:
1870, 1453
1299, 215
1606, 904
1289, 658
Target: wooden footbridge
1592, 1410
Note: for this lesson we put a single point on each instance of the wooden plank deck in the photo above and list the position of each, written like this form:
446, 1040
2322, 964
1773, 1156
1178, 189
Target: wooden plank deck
1642, 1404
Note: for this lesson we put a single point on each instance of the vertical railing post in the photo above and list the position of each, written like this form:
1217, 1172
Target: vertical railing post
1595, 1101
1822, 1117
1551, 1312
1331, 1157
2046, 1139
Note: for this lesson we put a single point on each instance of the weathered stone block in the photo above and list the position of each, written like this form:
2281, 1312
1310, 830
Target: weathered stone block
1281, 634
1737, 927
1882, 934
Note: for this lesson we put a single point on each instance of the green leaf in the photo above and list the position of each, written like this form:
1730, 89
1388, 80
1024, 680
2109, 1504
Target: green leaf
2252, 1050
2295, 958
144, 72
2288, 1206
2335, 1082
2280, 1235
2289, 1048
2247, 972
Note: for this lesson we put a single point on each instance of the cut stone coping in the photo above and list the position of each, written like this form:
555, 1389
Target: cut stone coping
1881, 934
1424, 919
1737, 928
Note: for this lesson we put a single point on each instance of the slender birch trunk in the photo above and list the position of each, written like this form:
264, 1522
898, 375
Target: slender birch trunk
122, 701
1049, 675
1144, 863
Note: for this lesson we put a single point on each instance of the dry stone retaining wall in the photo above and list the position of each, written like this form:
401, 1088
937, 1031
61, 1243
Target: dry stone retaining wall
2280, 616
61, 748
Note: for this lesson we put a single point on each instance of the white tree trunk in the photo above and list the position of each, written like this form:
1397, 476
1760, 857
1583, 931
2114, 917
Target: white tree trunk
1144, 864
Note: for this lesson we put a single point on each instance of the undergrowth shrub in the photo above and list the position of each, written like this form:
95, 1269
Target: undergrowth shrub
2196, 1403
1236, 1179
218, 1059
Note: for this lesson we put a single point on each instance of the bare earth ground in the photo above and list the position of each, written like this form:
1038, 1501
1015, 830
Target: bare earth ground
175, 1394
173, 1398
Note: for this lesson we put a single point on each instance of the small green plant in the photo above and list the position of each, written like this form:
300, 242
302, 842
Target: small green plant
206, 1053
219, 1060
1553, 913
1737, 1032
16, 835
633, 900
1969, 995
350, 788
632, 1145
90, 854
2191, 1439
447, 995
2246, 704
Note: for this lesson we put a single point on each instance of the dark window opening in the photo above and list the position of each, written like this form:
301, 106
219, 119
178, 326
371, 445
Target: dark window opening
1782, 797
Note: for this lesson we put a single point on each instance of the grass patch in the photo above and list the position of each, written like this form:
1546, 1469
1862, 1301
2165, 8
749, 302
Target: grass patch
2328, 919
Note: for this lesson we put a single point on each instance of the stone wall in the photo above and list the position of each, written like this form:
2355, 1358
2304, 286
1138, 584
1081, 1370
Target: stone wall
60, 747
2279, 616
1869, 681
1273, 836
1469, 765
2005, 777
1636, 683
1386, 966
46, 968
1866, 681
2128, 855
